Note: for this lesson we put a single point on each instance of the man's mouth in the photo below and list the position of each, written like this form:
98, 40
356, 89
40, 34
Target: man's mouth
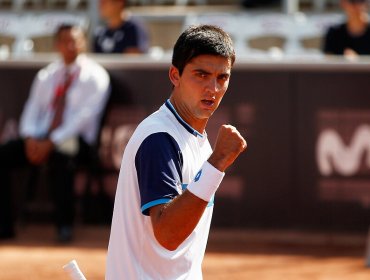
208, 103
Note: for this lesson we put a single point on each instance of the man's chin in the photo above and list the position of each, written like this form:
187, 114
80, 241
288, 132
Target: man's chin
205, 115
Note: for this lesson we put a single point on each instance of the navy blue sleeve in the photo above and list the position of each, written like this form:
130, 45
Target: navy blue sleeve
158, 163
137, 36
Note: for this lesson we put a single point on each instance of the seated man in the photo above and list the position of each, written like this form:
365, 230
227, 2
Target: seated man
352, 37
58, 126
122, 34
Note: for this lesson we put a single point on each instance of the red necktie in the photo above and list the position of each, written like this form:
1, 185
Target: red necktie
59, 101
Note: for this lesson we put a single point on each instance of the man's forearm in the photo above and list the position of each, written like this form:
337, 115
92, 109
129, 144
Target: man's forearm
175, 221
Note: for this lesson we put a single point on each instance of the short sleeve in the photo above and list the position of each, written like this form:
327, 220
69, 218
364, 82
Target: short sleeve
329, 41
137, 36
158, 163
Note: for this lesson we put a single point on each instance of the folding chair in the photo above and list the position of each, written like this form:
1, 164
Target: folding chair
228, 22
266, 32
11, 31
18, 5
308, 32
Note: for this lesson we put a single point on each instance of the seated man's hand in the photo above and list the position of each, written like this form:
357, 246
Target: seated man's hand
350, 54
38, 151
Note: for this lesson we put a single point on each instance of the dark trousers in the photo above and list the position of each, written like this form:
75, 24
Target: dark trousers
61, 169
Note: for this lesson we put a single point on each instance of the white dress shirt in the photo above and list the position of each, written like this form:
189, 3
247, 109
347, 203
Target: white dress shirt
85, 101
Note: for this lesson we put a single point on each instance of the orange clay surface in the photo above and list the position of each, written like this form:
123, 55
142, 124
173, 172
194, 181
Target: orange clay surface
231, 255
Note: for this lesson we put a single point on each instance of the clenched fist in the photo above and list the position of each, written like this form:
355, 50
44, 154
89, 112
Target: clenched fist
229, 145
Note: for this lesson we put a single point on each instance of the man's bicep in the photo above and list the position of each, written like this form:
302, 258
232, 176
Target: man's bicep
155, 213
158, 164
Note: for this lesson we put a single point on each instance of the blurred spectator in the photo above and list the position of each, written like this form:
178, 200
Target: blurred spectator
58, 128
122, 33
352, 37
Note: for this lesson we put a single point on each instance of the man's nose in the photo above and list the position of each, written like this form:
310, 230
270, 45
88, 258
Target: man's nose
71, 46
213, 85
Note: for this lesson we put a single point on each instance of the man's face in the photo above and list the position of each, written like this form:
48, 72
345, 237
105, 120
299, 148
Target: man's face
108, 8
70, 44
201, 86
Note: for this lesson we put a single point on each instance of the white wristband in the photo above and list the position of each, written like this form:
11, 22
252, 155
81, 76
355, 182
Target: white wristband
206, 182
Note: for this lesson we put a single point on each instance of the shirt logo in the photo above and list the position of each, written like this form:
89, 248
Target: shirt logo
197, 177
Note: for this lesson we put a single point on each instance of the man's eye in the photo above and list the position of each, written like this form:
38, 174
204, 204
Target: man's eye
202, 75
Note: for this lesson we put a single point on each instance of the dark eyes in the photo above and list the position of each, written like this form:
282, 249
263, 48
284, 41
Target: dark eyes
202, 74
223, 77
205, 75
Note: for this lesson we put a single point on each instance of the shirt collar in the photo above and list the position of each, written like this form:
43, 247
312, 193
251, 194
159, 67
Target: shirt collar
75, 66
180, 120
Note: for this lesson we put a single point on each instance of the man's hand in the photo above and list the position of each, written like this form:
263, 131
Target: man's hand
350, 54
31, 149
229, 145
38, 151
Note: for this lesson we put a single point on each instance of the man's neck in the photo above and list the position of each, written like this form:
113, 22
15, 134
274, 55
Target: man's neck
116, 21
357, 25
198, 125
68, 63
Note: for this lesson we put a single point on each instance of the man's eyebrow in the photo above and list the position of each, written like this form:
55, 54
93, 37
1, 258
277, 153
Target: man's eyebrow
225, 74
203, 71
200, 70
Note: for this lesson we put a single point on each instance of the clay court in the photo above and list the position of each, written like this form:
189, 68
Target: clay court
247, 254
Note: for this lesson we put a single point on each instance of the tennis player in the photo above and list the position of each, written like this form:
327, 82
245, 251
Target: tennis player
169, 173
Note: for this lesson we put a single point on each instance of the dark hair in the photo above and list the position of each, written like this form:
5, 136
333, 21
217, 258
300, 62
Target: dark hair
201, 39
63, 27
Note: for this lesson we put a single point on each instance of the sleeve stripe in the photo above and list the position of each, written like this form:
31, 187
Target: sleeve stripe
154, 203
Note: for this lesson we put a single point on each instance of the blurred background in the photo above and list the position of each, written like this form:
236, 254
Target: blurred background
305, 115
276, 27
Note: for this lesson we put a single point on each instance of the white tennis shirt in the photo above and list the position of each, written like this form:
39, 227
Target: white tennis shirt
162, 157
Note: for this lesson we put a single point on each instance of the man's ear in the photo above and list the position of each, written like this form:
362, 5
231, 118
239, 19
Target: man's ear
174, 76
